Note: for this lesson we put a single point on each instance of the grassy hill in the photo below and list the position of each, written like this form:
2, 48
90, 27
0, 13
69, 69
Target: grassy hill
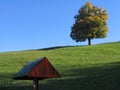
95, 67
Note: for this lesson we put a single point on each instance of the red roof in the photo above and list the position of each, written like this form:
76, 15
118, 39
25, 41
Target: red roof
38, 69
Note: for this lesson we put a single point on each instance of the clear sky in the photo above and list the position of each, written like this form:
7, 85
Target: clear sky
35, 24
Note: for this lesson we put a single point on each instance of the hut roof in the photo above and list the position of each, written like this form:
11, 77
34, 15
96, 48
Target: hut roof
37, 69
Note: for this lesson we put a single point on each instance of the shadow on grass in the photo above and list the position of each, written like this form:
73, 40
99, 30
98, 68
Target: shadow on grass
16, 88
55, 47
105, 77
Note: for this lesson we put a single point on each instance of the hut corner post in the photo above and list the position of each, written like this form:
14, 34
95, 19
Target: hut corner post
35, 84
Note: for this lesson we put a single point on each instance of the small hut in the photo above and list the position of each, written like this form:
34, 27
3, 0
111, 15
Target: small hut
37, 70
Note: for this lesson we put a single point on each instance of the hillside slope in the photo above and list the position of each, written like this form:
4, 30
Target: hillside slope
95, 67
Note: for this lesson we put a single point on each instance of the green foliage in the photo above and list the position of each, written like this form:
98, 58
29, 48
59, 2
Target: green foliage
90, 23
95, 67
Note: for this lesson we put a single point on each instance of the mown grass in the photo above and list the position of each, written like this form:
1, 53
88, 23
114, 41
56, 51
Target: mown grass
95, 67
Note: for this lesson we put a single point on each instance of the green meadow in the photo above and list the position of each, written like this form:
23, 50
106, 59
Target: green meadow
95, 67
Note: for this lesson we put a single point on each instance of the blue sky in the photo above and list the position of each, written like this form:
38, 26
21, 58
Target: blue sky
34, 24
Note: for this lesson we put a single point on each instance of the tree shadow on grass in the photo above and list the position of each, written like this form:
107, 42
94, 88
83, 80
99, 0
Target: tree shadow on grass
105, 77
7, 83
56, 47
16, 88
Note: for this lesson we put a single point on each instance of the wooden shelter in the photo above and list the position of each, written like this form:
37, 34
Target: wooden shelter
37, 70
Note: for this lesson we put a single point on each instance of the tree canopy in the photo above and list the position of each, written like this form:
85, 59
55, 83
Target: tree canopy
90, 23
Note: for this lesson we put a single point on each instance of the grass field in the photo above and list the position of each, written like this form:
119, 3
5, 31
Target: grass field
95, 67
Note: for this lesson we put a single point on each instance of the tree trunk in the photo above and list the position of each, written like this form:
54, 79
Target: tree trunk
89, 41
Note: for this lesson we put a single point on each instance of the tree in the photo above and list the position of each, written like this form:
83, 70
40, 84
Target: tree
90, 23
